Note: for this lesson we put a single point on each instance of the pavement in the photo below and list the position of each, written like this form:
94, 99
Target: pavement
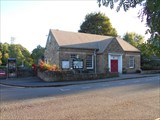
34, 82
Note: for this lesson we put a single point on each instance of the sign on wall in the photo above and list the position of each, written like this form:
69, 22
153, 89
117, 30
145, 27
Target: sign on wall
65, 64
78, 64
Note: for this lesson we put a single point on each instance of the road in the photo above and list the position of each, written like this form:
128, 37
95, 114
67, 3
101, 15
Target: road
125, 99
8, 93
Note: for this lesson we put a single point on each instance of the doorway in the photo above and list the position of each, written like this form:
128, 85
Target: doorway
114, 65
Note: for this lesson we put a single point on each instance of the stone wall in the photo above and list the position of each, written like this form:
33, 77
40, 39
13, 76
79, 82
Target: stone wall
69, 76
51, 53
114, 47
137, 62
102, 62
65, 54
102, 58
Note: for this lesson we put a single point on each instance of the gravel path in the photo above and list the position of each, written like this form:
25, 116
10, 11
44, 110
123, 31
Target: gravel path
109, 103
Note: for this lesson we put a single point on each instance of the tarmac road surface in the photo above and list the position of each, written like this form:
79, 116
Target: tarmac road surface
129, 99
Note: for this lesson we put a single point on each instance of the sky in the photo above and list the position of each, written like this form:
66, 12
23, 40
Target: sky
29, 21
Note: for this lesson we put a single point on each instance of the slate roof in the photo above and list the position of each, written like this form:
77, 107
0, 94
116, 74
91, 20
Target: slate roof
88, 41
126, 46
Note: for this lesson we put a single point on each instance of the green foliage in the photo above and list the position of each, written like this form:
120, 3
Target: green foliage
151, 65
150, 12
15, 51
148, 52
151, 9
37, 53
126, 4
97, 23
133, 38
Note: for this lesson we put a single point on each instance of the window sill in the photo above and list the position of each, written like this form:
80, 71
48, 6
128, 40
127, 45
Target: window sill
89, 68
131, 67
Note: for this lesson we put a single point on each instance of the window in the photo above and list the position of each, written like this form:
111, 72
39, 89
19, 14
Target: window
89, 62
131, 62
49, 38
65, 64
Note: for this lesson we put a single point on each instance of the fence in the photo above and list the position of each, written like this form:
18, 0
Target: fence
21, 72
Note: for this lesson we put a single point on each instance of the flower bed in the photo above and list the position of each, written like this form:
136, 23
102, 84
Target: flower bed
44, 66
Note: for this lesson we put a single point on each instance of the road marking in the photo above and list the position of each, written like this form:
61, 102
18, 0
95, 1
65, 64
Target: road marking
86, 87
65, 89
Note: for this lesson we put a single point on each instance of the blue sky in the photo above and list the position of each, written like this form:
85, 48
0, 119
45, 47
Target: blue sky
29, 21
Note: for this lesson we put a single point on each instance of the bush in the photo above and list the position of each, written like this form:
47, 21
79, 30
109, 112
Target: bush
44, 66
138, 71
151, 64
124, 70
150, 67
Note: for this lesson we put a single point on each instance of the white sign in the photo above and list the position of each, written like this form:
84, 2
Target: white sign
65, 64
78, 64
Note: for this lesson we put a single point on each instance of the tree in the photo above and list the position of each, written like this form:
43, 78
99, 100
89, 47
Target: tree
37, 53
97, 23
125, 3
17, 51
4, 50
150, 10
133, 38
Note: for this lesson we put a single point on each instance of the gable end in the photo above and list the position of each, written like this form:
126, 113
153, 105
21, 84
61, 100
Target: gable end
114, 47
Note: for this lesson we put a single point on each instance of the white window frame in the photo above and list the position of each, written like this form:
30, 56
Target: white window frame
131, 62
91, 63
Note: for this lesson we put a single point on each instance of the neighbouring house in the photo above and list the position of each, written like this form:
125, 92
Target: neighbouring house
91, 53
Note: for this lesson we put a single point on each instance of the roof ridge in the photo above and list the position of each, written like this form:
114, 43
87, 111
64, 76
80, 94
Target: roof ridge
86, 40
79, 33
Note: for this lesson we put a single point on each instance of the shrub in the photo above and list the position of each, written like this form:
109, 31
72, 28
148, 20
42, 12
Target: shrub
138, 71
44, 66
124, 70
150, 67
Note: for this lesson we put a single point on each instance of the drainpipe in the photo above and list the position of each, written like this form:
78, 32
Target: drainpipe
95, 61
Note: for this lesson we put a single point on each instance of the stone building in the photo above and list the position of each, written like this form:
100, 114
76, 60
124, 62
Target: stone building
90, 53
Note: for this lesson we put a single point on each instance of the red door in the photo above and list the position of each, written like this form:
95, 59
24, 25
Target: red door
114, 65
